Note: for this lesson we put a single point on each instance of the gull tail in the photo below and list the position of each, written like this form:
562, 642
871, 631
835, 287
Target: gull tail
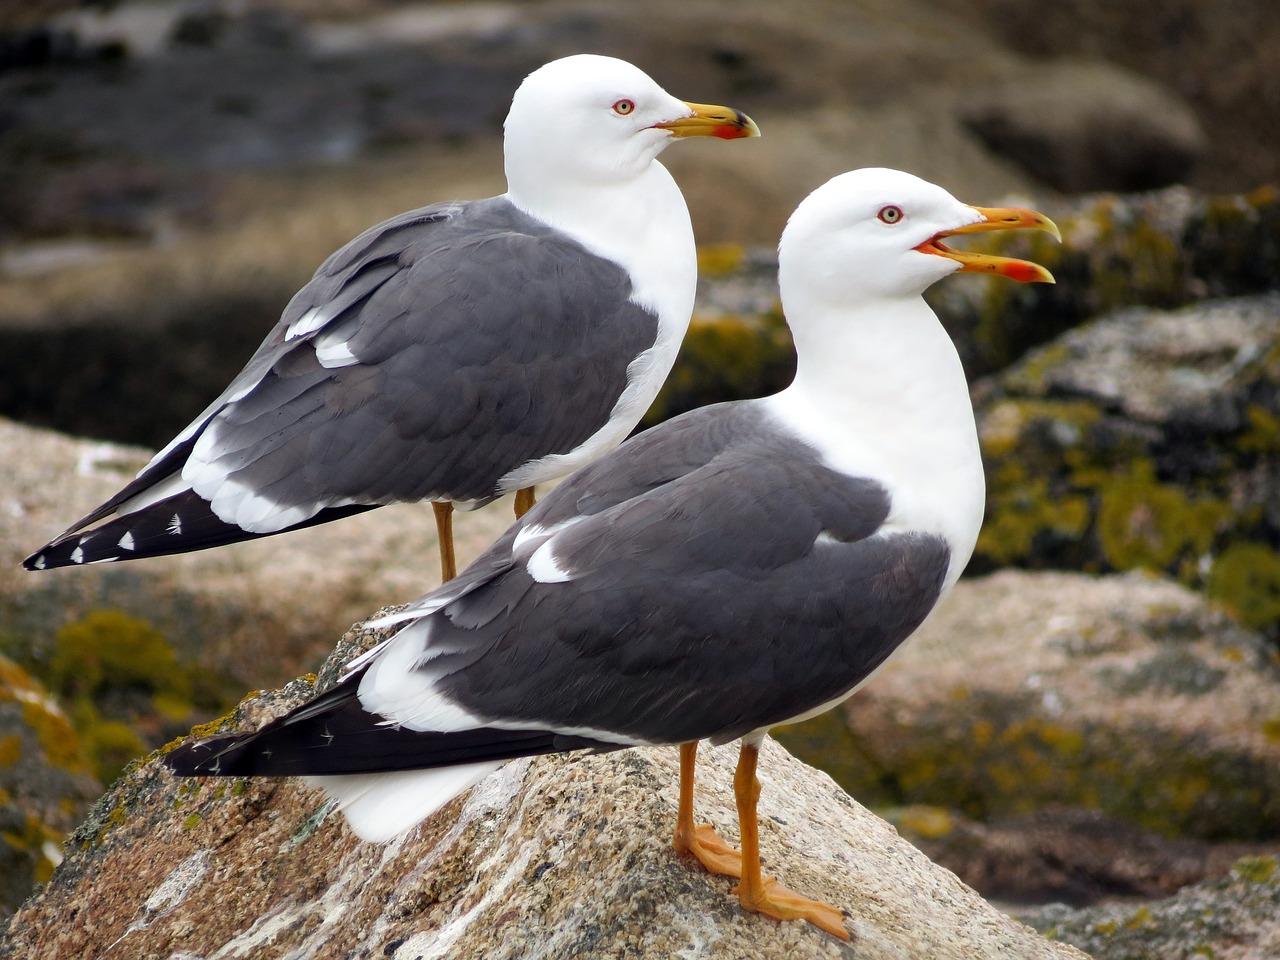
381, 806
386, 778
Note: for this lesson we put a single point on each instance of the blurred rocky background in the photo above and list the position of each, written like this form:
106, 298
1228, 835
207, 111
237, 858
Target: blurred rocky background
1094, 717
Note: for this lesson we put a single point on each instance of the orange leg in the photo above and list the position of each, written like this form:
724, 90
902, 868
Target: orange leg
524, 500
701, 840
764, 894
444, 529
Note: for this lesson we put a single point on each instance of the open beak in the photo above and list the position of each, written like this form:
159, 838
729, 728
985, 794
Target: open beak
996, 218
709, 120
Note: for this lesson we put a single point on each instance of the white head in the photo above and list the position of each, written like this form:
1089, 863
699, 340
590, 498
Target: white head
876, 234
590, 119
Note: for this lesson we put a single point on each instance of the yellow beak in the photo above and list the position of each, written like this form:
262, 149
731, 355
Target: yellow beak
996, 218
709, 120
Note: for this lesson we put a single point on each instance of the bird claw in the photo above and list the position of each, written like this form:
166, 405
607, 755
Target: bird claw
711, 851
774, 900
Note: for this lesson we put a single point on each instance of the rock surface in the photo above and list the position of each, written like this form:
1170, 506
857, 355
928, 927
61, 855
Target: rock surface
1235, 918
1126, 694
1148, 438
1061, 854
566, 856
1085, 126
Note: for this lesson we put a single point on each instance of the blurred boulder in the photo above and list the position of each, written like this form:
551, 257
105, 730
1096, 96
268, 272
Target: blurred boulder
1088, 126
1218, 55
1148, 438
1061, 854
1127, 694
1233, 918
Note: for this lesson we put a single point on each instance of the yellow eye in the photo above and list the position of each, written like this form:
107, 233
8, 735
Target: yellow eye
890, 214
624, 107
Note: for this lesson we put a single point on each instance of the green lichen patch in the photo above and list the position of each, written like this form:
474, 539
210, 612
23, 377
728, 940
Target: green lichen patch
716, 259
10, 750
1173, 473
1145, 523
1245, 578
123, 688
1256, 869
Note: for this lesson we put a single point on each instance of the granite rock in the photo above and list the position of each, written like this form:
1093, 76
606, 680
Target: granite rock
563, 856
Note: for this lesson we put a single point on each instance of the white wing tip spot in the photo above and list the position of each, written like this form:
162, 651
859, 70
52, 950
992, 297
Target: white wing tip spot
175, 525
542, 566
39, 562
126, 542
309, 322
77, 555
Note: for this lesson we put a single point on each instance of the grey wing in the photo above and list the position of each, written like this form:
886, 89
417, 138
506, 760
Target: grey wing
746, 591
491, 345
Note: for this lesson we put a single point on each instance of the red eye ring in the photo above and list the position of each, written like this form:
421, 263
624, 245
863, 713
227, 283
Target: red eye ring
890, 214
624, 107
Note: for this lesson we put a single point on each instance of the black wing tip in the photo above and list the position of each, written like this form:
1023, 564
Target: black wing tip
37, 560
195, 757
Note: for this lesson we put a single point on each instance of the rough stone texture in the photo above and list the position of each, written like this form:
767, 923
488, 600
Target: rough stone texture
566, 856
1146, 439
46, 786
1066, 855
1127, 694
1235, 918
253, 613
1086, 126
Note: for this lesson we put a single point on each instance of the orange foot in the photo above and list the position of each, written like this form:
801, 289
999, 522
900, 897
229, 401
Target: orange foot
774, 900
711, 851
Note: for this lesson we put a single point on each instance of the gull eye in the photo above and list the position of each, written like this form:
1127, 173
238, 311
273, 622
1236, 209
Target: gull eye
624, 107
890, 214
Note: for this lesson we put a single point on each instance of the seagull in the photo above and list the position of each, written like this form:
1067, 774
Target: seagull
454, 353
744, 565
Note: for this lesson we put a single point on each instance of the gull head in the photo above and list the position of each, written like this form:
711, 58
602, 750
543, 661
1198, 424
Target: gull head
878, 234
589, 119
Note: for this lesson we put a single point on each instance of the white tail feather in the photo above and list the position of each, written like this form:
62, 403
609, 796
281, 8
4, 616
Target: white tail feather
381, 806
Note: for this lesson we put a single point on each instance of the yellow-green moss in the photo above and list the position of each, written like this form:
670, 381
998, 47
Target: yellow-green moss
717, 259
111, 649
1245, 579
989, 755
191, 822
1271, 729
1256, 869
112, 744
1142, 917
1028, 511
62, 746
31, 843
923, 821
10, 750
1263, 433
1145, 523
